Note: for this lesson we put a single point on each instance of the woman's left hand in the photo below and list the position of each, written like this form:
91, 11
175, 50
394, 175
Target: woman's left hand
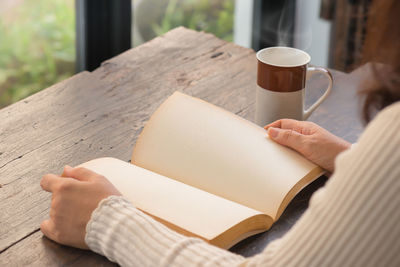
76, 194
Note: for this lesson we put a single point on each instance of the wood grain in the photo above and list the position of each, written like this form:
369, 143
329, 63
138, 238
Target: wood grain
37, 250
101, 114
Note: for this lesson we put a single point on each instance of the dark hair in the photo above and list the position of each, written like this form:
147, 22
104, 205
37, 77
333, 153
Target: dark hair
382, 48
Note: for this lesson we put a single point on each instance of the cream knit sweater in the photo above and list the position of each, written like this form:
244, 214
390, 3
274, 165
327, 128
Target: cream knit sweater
352, 221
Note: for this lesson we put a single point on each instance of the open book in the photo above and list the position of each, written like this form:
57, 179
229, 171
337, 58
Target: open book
206, 172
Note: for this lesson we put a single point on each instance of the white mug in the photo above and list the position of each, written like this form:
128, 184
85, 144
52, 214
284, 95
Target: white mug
281, 77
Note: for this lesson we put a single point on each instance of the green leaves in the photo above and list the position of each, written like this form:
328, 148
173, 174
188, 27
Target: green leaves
214, 16
37, 47
37, 39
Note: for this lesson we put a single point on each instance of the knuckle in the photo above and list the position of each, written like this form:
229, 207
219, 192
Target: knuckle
52, 213
98, 178
55, 208
287, 135
55, 203
311, 126
310, 123
56, 188
79, 170
63, 187
305, 127
308, 146
56, 216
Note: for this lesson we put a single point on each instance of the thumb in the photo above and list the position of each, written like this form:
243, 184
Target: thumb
66, 172
48, 229
286, 137
79, 173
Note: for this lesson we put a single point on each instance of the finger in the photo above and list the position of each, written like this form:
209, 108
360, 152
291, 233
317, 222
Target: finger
49, 181
285, 124
79, 173
289, 138
275, 124
48, 229
289, 124
66, 171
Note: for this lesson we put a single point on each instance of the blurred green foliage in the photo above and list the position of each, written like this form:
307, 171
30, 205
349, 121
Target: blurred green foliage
203, 15
37, 47
37, 38
156, 17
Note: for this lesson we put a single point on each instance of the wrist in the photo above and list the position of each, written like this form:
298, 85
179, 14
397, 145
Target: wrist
341, 146
345, 145
102, 223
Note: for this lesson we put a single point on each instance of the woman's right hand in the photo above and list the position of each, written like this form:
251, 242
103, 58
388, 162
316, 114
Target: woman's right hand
312, 141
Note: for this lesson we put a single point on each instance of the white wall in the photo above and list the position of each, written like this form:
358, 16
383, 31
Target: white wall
243, 22
311, 32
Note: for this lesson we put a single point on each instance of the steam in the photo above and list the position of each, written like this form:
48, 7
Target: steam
285, 26
293, 29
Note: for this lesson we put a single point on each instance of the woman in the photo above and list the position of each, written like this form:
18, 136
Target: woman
352, 221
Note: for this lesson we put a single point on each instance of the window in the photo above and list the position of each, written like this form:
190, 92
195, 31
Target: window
155, 17
37, 46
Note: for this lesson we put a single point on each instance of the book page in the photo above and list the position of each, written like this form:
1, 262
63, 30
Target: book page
181, 207
204, 146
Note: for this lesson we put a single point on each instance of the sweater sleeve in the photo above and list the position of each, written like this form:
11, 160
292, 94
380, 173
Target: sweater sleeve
352, 221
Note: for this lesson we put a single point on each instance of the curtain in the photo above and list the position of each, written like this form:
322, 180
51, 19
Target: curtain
349, 27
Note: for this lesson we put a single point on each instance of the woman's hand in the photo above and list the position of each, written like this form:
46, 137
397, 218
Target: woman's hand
312, 141
76, 195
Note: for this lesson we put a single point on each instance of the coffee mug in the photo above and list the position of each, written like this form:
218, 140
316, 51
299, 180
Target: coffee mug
281, 78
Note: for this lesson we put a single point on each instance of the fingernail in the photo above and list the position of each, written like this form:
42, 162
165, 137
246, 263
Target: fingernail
273, 132
67, 168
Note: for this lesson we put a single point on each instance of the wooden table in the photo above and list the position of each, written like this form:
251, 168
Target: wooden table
101, 113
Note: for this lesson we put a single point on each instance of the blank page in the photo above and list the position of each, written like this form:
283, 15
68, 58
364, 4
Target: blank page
198, 212
204, 146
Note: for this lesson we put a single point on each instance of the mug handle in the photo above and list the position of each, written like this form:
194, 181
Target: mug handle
311, 71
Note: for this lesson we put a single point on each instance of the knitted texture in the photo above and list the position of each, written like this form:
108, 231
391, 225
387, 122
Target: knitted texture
352, 221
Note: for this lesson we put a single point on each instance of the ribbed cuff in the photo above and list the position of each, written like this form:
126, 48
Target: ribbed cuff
100, 227
129, 237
